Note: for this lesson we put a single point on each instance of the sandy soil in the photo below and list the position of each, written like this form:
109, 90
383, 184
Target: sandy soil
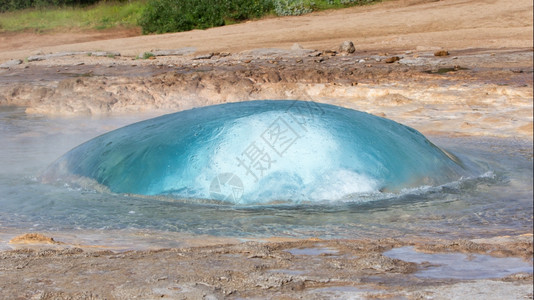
483, 87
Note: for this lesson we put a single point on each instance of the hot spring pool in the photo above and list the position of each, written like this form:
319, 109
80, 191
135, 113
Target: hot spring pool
494, 200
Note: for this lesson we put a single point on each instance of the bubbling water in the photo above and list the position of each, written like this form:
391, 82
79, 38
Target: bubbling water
260, 152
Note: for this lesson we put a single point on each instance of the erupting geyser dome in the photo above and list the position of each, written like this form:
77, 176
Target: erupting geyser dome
260, 152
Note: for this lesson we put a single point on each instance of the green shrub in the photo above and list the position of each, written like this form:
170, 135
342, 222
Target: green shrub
171, 16
239, 10
147, 55
293, 7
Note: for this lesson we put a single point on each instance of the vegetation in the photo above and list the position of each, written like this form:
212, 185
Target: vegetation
101, 16
170, 16
292, 7
147, 55
153, 16
10, 5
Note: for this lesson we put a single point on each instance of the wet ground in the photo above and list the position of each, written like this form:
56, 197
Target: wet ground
298, 269
470, 92
475, 92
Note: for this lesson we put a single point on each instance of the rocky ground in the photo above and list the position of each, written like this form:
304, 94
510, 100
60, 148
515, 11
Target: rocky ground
467, 92
42, 268
455, 68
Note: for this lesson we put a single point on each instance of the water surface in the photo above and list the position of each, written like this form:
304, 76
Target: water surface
459, 265
495, 201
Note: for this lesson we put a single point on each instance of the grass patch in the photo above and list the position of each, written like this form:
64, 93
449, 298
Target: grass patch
100, 16
334, 4
147, 55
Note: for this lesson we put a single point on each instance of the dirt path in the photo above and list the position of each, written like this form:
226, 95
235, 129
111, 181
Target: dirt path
388, 26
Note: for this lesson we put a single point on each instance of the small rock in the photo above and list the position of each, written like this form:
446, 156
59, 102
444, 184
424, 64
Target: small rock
441, 53
361, 61
392, 59
518, 276
10, 63
35, 58
347, 47
54, 55
330, 52
206, 56
105, 53
296, 46
33, 238
175, 52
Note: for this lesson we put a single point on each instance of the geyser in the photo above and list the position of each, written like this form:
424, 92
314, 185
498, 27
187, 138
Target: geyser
260, 152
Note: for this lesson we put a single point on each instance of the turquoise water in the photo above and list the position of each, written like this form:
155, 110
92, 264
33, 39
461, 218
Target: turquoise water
260, 152
495, 199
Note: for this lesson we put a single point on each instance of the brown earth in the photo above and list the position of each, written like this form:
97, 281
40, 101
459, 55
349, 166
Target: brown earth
483, 87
